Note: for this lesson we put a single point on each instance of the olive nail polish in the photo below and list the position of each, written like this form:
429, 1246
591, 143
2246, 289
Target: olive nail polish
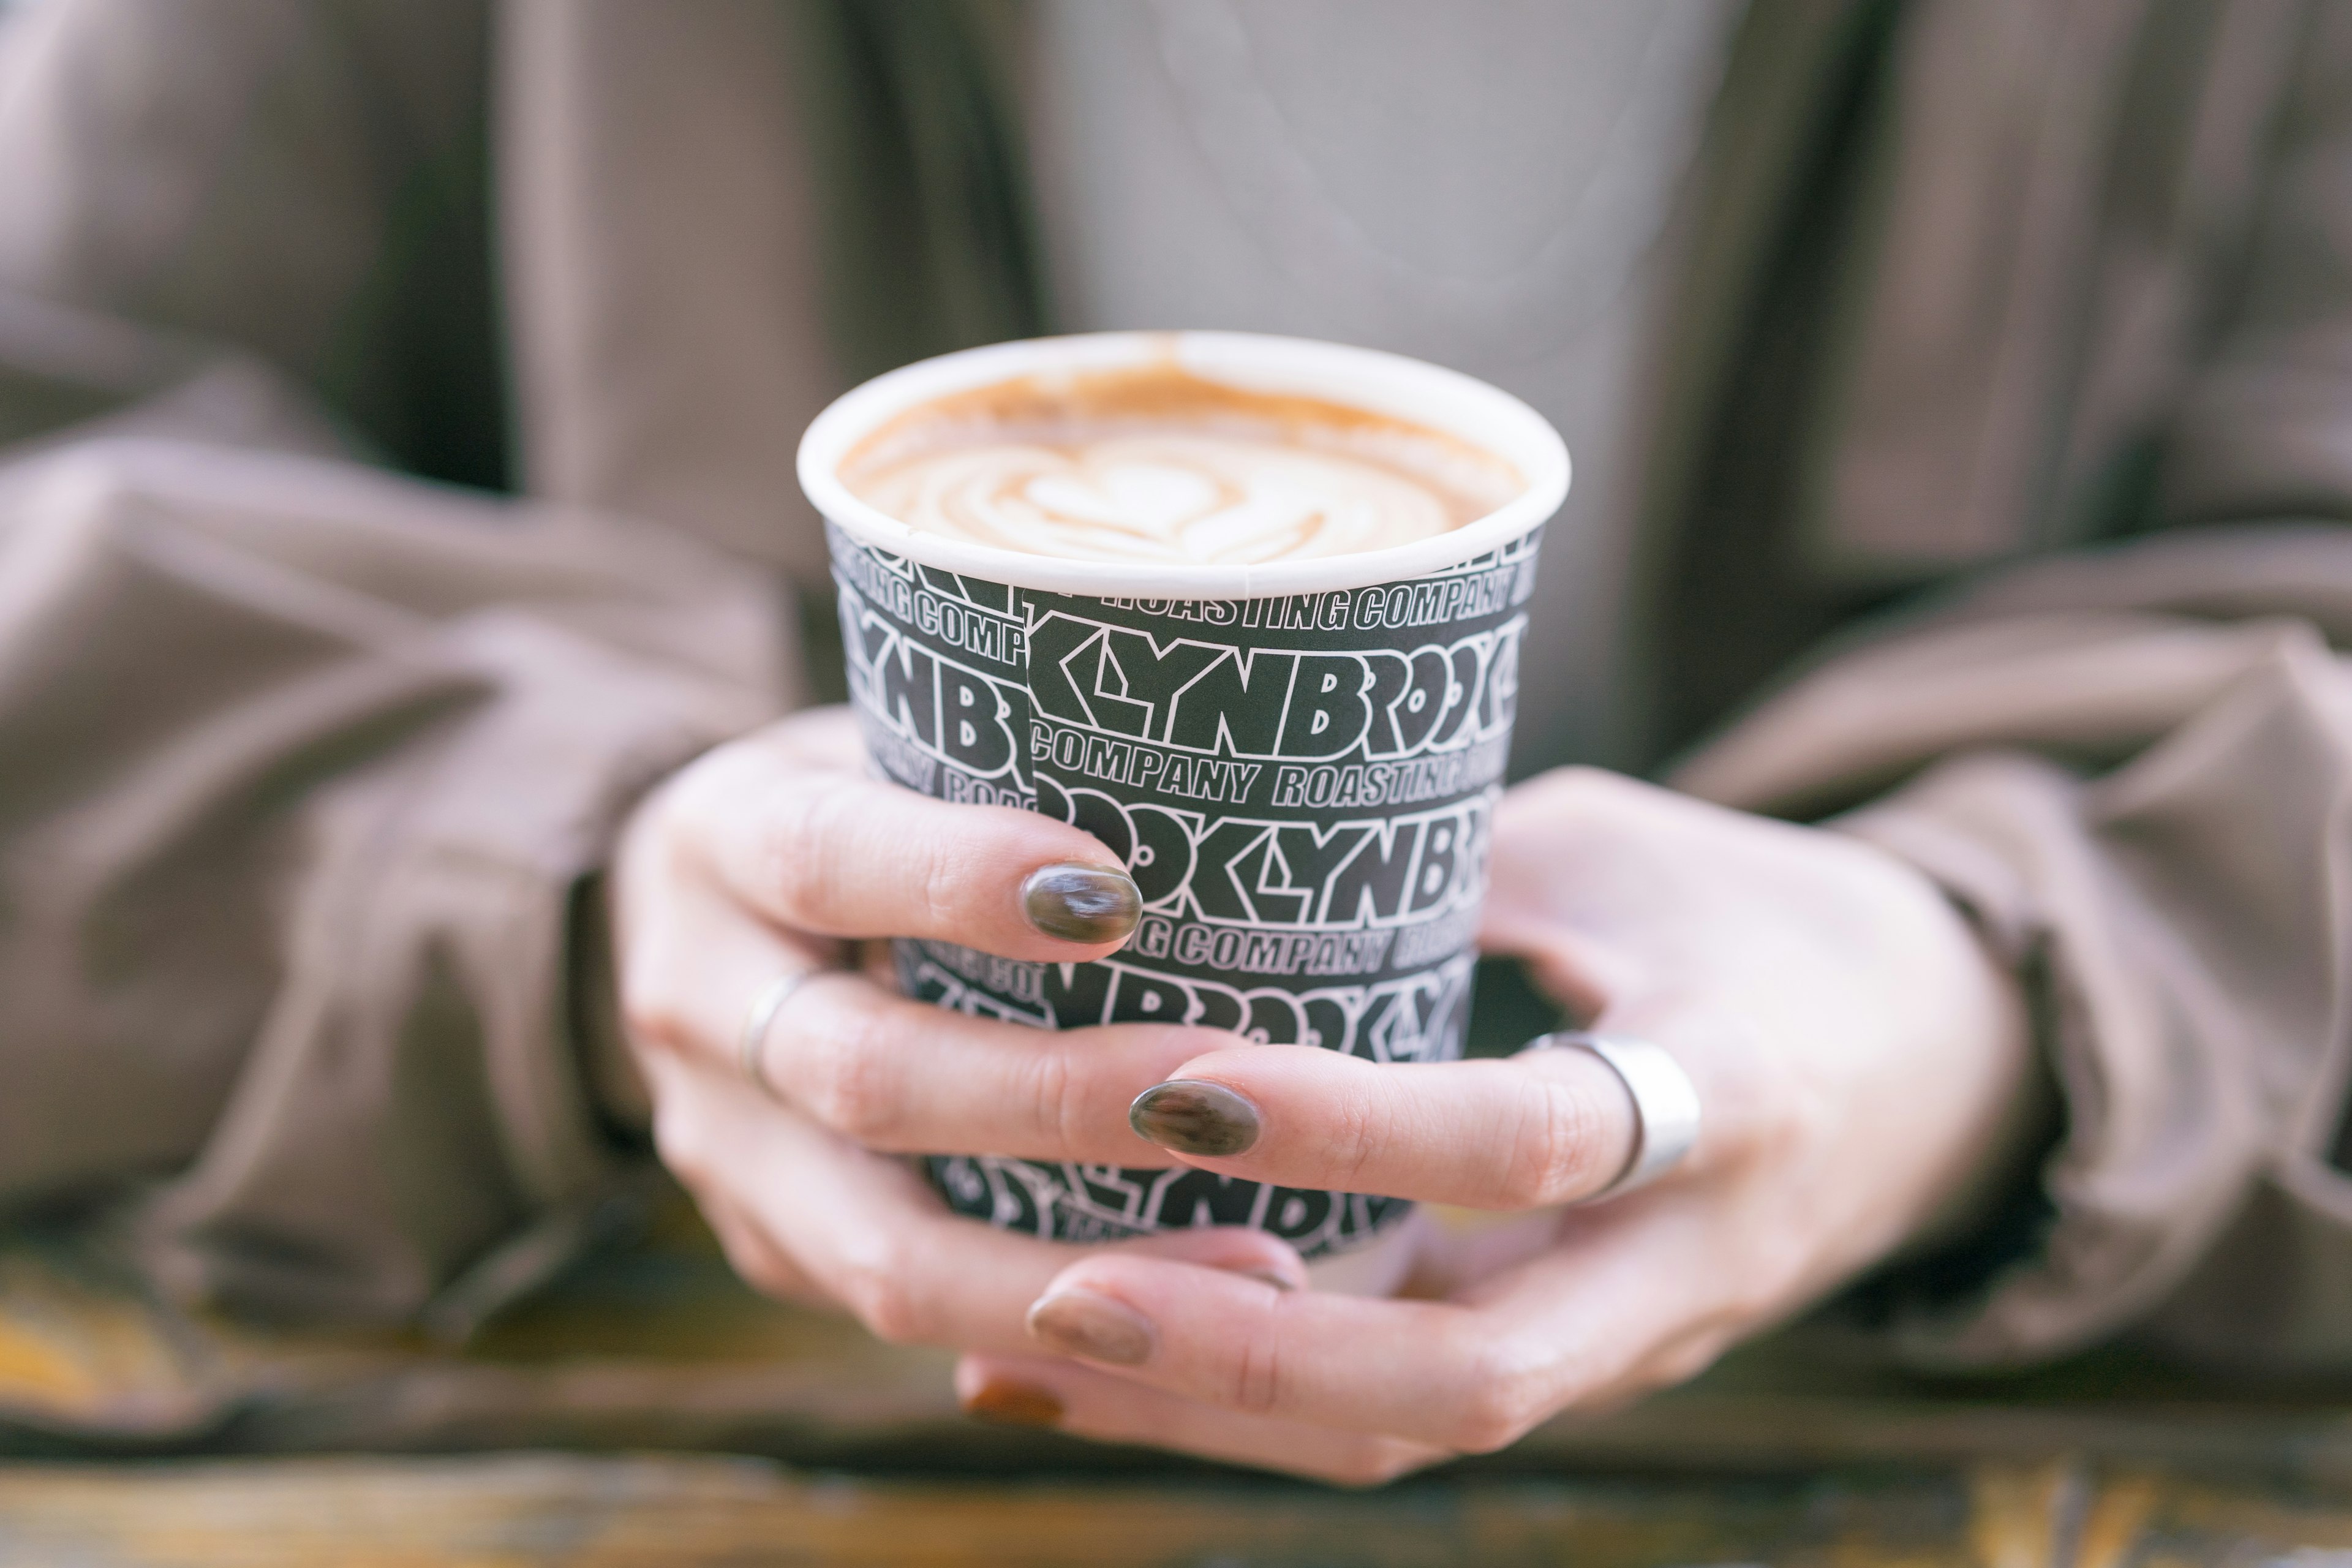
1192, 1117
1082, 903
1089, 1324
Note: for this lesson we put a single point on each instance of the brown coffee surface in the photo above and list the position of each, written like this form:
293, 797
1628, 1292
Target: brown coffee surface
1157, 465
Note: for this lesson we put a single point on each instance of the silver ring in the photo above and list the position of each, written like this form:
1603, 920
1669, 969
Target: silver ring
751, 1055
1666, 1104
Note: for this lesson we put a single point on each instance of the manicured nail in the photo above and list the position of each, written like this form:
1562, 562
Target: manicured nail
1085, 1323
1007, 1403
1082, 903
1192, 1117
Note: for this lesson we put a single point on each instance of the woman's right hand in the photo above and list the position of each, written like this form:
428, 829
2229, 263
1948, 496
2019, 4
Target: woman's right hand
773, 854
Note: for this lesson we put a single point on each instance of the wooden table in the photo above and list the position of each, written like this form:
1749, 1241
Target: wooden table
650, 1411
672, 1513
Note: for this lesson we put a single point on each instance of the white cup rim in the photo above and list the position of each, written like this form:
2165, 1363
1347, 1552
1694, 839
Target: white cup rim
1444, 400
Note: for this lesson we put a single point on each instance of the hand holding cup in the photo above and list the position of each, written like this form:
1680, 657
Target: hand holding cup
1867, 1085
776, 854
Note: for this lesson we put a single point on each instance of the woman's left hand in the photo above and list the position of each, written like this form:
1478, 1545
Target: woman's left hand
1863, 1071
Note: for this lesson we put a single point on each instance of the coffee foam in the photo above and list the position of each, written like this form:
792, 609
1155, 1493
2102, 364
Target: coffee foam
1159, 466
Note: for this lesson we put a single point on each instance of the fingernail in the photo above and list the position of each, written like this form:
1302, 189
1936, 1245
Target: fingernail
1084, 1323
1007, 1403
1267, 1276
1082, 903
1193, 1117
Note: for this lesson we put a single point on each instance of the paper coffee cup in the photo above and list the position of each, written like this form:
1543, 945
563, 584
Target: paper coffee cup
1298, 761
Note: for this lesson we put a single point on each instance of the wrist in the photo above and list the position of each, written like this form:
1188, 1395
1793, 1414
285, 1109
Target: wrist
2006, 1141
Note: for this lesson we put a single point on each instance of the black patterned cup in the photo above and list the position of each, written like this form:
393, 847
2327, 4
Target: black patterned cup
1298, 761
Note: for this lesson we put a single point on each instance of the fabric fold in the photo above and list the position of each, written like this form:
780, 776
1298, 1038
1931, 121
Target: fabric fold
323, 755
2146, 814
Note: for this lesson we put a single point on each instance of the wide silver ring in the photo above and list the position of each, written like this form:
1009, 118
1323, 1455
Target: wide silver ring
1665, 1103
752, 1053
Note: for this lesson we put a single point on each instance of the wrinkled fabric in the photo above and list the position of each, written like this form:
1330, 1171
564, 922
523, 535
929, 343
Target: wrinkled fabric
306, 762
2141, 790
2134, 765
301, 761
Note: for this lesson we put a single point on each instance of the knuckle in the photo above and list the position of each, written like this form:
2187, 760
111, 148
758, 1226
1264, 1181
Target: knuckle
1376, 1461
806, 848
1052, 1091
841, 1076
1489, 1420
665, 825
876, 1289
830, 846
1550, 1156
1257, 1384
1503, 1393
679, 1142
945, 878
653, 1014
652, 1006
1355, 1140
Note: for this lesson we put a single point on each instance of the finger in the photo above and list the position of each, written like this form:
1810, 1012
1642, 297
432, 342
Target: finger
898, 1075
1033, 1391
753, 1254
1389, 1367
831, 852
1544, 1127
867, 1232
892, 1073
1629, 1301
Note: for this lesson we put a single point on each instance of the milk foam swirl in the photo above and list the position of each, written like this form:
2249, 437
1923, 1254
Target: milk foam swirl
1156, 467
1168, 498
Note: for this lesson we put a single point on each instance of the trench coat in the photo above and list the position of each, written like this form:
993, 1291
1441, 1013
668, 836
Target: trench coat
396, 413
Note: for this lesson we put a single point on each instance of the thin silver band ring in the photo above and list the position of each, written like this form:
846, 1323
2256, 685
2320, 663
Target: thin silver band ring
1666, 1104
752, 1053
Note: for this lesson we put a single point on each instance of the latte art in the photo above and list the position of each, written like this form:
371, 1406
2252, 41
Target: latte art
1160, 468
1169, 498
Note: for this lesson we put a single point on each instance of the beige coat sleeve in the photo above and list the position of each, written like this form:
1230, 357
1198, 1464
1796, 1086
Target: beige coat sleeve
2134, 766
2142, 790
302, 763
